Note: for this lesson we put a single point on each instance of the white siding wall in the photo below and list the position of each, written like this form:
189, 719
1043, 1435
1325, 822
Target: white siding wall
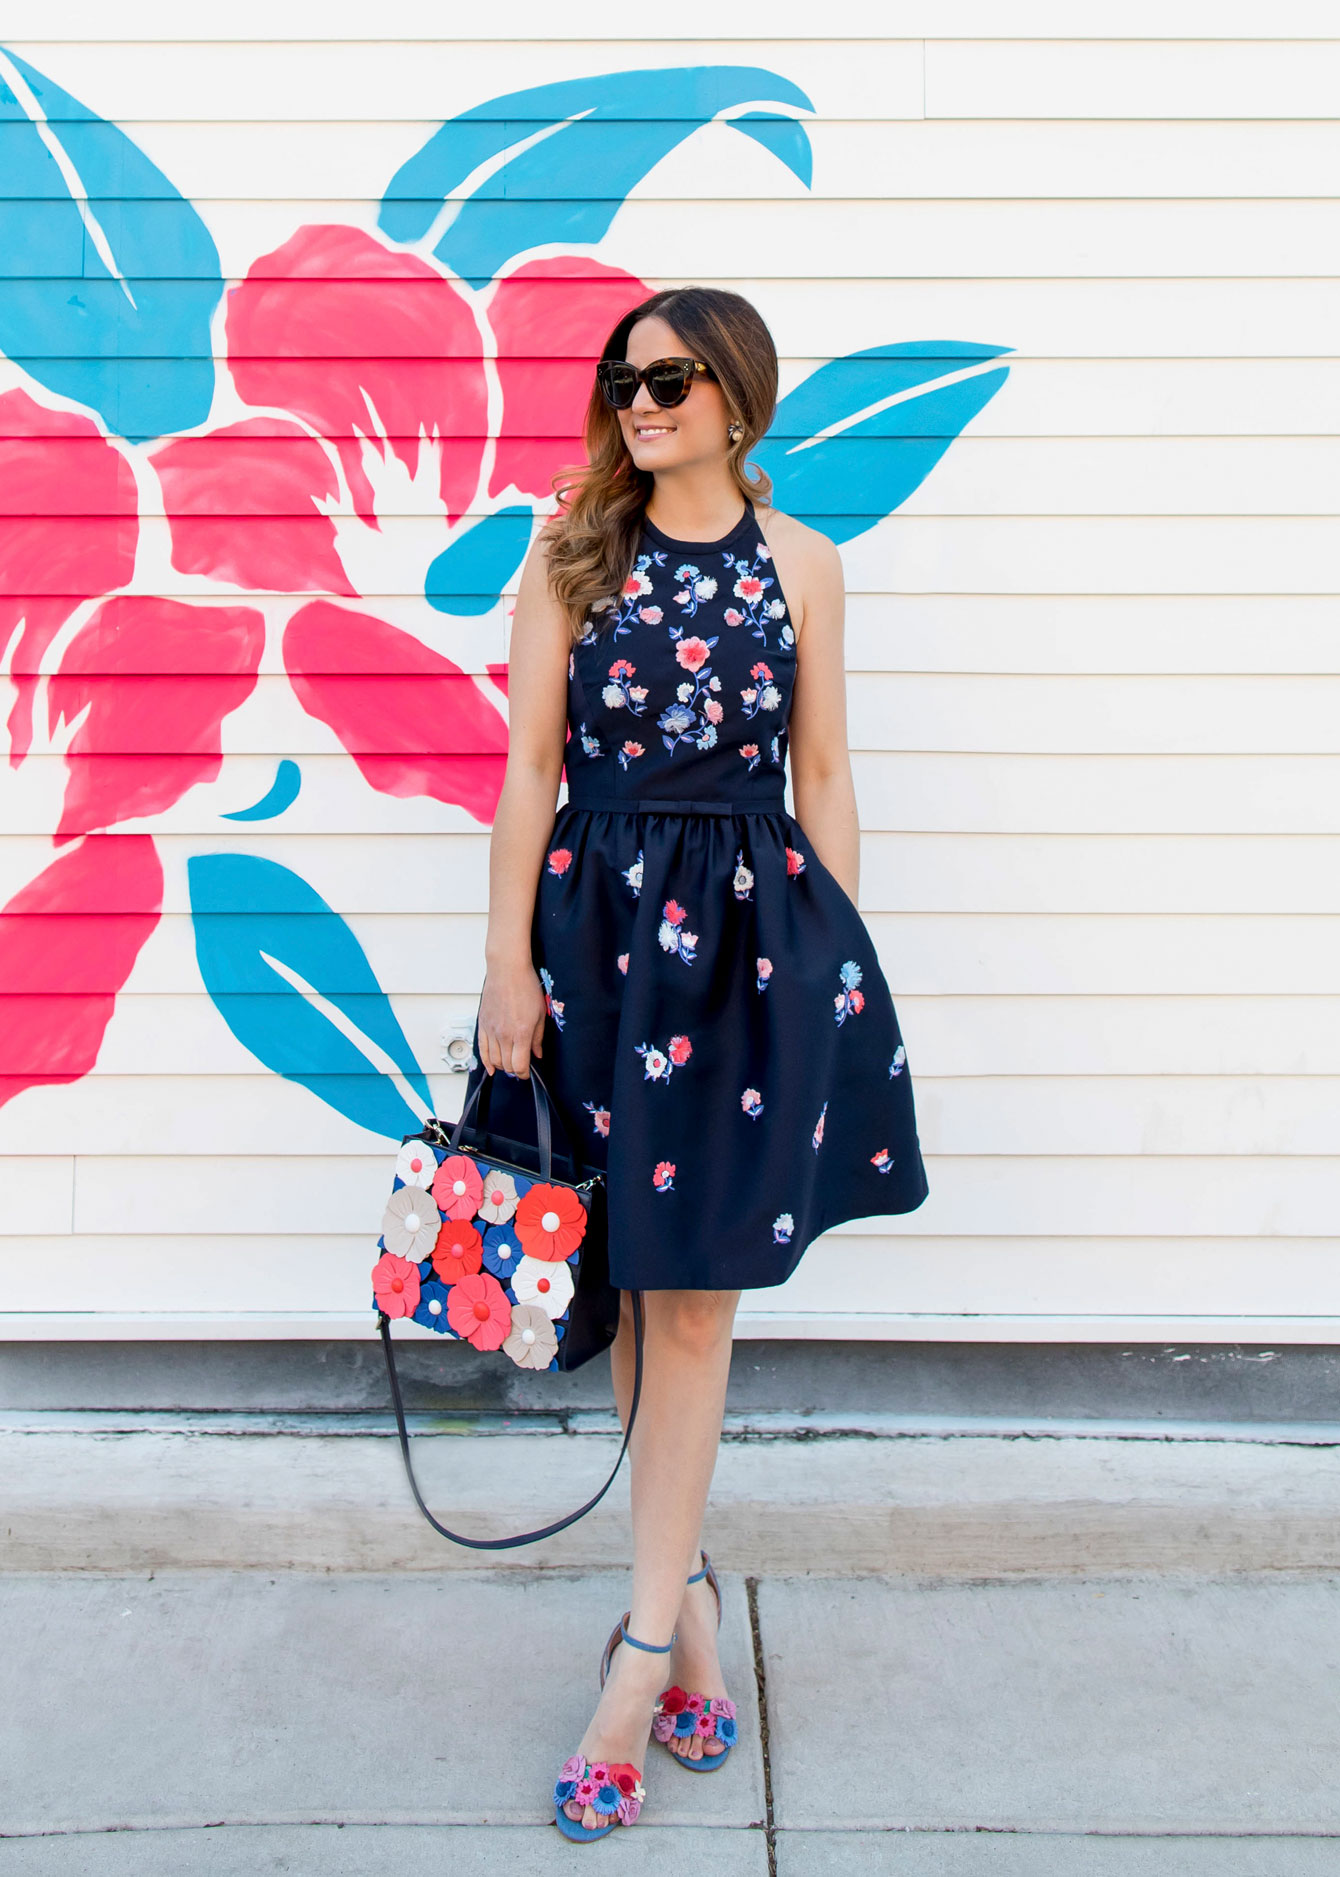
1094, 661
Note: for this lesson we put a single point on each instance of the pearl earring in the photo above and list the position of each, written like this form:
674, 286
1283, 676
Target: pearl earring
734, 431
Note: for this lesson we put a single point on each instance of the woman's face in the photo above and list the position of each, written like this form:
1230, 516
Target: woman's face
686, 434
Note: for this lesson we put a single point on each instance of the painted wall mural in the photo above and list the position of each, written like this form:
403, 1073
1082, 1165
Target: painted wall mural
455, 340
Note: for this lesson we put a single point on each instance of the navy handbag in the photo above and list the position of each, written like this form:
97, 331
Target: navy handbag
496, 1242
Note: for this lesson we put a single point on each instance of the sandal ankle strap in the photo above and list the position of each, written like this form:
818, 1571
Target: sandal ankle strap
652, 1648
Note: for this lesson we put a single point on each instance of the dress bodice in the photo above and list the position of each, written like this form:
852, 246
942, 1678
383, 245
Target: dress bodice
681, 686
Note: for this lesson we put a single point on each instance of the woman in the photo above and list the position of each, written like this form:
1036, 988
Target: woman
686, 957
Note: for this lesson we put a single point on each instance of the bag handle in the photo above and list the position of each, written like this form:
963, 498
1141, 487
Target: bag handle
546, 1531
544, 1108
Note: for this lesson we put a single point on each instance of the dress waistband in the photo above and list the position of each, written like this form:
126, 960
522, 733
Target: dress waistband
682, 805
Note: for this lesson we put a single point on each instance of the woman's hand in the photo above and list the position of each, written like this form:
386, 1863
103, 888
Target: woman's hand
511, 1019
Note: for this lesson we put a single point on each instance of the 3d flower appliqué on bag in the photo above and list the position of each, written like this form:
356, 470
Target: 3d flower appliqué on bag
484, 1241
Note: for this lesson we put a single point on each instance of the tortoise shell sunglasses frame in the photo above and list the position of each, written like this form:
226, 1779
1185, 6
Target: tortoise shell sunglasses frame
668, 380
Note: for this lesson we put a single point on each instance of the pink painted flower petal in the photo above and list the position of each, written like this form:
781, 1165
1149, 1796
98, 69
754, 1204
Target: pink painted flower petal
351, 336
241, 506
413, 722
160, 677
68, 531
68, 942
550, 319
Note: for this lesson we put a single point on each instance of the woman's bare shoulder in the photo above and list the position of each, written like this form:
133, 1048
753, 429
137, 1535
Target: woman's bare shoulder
806, 559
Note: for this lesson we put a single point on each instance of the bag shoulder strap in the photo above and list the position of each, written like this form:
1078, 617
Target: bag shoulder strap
546, 1531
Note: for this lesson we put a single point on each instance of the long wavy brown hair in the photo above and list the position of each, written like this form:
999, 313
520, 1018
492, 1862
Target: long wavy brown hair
593, 540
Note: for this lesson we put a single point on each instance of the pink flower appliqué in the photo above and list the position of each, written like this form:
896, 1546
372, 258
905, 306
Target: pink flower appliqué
663, 1175
560, 859
795, 862
478, 1310
395, 1285
458, 1187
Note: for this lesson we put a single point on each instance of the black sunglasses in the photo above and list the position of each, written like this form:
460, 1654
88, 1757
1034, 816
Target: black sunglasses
667, 379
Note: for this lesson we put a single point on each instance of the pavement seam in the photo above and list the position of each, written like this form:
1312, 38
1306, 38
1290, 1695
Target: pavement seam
765, 1743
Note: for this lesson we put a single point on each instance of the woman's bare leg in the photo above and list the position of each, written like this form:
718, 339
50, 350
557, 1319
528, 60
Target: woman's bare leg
673, 1451
695, 1663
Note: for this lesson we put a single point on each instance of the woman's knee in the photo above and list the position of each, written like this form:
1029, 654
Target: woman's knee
697, 1321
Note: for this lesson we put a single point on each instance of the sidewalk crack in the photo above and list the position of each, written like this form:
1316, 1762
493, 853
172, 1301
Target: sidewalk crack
761, 1681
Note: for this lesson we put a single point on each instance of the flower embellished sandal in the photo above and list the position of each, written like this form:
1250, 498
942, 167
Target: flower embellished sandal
680, 1714
614, 1791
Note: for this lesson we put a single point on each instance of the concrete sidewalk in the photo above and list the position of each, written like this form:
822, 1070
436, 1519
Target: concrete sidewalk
244, 1722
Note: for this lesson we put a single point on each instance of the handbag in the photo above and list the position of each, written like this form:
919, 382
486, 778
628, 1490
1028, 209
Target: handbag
484, 1240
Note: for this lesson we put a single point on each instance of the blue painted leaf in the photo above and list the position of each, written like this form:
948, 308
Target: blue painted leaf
846, 482
108, 277
467, 577
566, 186
281, 795
257, 928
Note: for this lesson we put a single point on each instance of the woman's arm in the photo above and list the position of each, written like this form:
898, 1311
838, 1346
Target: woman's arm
511, 1008
821, 779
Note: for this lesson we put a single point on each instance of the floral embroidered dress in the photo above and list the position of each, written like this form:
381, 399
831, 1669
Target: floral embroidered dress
719, 1035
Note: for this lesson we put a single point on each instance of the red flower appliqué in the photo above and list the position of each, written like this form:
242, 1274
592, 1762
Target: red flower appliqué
560, 858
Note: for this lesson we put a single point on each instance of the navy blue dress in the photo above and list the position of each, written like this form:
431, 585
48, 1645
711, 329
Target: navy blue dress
719, 1036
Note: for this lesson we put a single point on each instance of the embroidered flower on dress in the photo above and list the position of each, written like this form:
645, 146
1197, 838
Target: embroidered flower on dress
559, 859
743, 880
591, 744
663, 1175
459, 1251
416, 1163
458, 1187
541, 1282
693, 654
554, 1005
396, 1283
782, 1227
750, 753
633, 874
629, 753
550, 1221
618, 694
680, 1049
478, 1311
531, 1342
882, 1159
410, 1222
655, 1063
818, 1134
499, 1195
763, 966
795, 862
622, 962
763, 693
752, 1102
670, 934
849, 1002
689, 713
899, 1062
600, 1117
432, 1310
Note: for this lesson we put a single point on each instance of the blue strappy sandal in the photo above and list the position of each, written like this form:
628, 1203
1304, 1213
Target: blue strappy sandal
614, 1790
680, 1713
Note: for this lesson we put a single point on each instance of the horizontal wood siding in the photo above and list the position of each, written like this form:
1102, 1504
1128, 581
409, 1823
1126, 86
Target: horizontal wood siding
1093, 664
